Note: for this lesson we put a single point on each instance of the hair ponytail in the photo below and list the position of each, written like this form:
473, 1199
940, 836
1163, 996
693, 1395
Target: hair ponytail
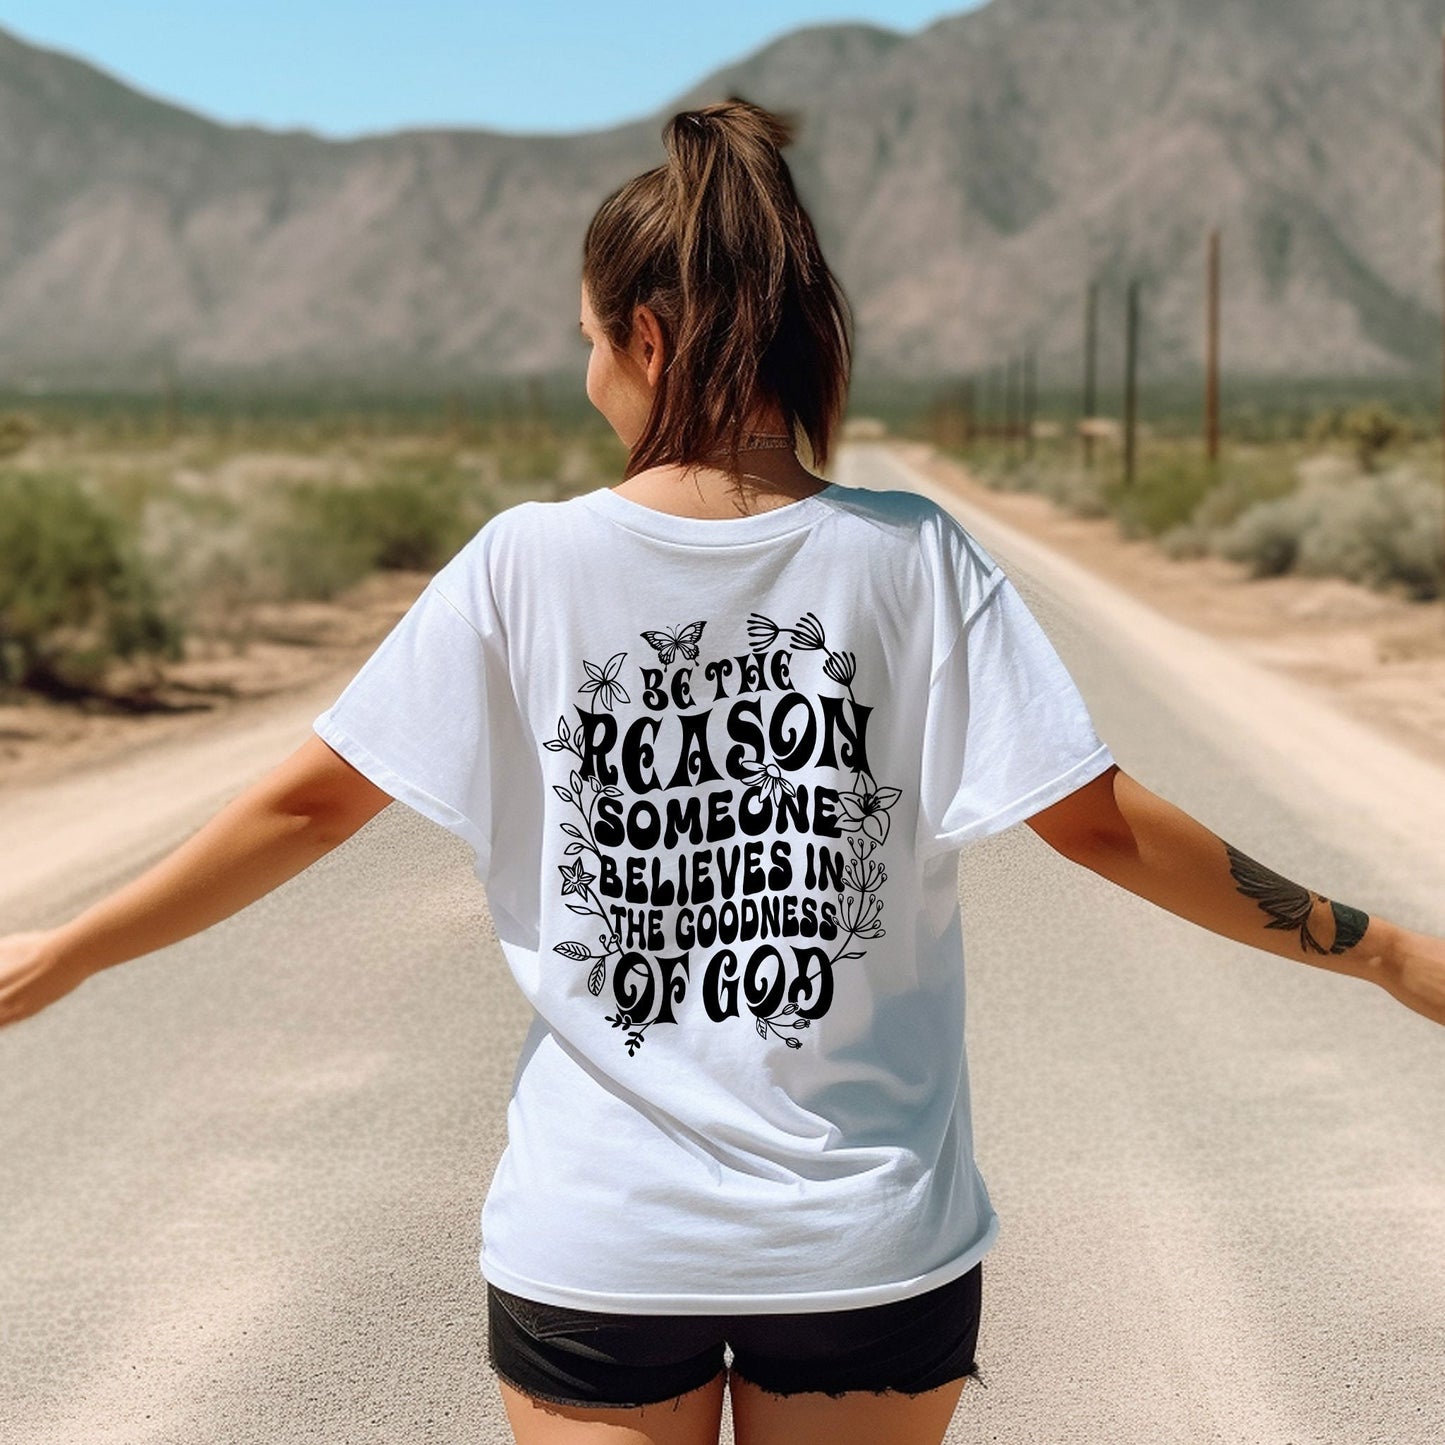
717, 244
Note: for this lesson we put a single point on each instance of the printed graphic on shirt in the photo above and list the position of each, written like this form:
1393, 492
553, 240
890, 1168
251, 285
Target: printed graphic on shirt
723, 819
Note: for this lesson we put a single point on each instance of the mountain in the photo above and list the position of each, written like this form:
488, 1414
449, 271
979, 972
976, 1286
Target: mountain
966, 179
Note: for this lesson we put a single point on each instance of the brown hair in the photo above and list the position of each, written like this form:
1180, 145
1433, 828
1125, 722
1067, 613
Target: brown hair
717, 244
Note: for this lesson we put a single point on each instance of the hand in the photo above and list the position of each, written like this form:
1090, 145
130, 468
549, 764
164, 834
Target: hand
31, 976
1414, 973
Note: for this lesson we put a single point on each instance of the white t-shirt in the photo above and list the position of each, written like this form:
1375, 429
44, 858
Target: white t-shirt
716, 774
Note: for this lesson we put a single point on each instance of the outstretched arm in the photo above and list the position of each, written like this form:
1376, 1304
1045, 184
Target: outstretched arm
303, 808
1115, 826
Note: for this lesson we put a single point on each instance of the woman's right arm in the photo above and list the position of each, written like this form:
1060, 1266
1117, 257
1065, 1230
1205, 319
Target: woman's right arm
306, 806
1121, 830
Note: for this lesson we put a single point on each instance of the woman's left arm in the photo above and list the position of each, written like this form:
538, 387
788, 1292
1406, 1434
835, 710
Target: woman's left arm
1120, 830
308, 804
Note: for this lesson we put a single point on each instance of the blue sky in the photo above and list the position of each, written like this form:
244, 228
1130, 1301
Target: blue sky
346, 67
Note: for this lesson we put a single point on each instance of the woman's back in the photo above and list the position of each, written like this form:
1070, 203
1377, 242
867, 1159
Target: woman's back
716, 773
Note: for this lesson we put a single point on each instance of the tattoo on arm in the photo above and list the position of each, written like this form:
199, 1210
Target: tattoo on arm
1289, 905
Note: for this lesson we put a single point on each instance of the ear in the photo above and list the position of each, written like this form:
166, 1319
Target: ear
647, 342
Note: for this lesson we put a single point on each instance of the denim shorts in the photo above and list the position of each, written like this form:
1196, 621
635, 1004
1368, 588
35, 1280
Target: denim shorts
584, 1357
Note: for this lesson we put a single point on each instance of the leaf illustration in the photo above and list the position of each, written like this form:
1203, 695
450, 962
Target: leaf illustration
762, 1029
572, 949
594, 979
562, 793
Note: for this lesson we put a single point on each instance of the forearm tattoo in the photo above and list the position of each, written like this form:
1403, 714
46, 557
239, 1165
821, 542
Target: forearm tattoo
1290, 906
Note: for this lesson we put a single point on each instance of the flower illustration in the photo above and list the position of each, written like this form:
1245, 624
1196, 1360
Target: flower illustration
762, 632
841, 666
808, 634
575, 879
859, 914
602, 681
868, 812
864, 875
767, 778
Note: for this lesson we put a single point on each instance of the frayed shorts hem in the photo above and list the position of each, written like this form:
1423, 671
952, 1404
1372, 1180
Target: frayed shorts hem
583, 1358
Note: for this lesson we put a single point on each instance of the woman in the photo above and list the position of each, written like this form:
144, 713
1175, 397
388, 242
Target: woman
716, 736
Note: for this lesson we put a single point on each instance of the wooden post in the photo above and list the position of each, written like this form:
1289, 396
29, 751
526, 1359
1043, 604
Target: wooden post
170, 398
1010, 404
1131, 370
1091, 353
1211, 355
1030, 383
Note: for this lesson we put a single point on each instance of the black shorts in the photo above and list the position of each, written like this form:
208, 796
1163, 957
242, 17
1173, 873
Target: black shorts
584, 1357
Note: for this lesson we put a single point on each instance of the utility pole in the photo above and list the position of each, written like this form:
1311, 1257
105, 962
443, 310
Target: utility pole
1091, 354
1211, 355
1131, 372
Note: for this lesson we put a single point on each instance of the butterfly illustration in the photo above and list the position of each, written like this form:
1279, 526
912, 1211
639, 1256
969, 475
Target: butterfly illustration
670, 642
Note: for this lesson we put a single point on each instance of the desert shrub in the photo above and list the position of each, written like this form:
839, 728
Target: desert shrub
1265, 537
16, 433
1015, 474
1326, 425
1245, 478
1079, 490
1167, 487
201, 546
529, 459
75, 591
1371, 429
1002, 469
1380, 530
1185, 539
330, 535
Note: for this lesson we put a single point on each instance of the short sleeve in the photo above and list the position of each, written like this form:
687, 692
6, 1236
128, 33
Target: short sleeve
415, 718
1007, 731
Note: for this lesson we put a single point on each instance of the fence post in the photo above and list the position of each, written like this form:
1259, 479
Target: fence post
1211, 355
1131, 369
1030, 382
1091, 352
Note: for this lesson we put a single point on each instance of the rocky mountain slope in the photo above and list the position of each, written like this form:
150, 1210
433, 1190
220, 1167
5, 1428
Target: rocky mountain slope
966, 180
